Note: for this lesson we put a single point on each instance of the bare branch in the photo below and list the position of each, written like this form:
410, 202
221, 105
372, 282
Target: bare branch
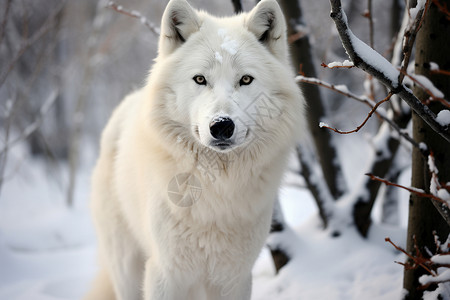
365, 121
376, 65
5, 19
134, 14
344, 91
48, 25
34, 125
418, 192
442, 8
418, 259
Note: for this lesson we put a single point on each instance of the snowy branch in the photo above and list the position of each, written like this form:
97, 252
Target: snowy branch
409, 36
377, 66
429, 88
134, 14
334, 65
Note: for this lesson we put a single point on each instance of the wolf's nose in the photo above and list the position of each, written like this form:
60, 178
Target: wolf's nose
221, 128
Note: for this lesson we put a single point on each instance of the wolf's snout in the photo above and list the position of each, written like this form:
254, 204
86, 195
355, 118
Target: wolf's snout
221, 128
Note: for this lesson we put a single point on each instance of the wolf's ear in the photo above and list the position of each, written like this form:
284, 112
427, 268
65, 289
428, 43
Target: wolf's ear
266, 22
178, 22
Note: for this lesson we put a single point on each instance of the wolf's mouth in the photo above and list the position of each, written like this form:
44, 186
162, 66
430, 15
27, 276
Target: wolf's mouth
222, 145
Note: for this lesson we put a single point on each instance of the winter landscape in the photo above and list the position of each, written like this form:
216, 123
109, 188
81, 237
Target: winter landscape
65, 65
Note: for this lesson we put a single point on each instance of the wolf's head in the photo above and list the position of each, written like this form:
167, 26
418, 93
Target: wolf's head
227, 82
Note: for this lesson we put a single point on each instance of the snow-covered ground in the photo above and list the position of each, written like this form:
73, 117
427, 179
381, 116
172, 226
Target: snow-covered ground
48, 252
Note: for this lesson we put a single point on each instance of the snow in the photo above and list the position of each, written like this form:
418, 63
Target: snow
441, 259
443, 117
228, 43
374, 59
347, 267
218, 57
434, 66
420, 6
427, 279
425, 83
323, 124
48, 252
423, 146
346, 63
342, 88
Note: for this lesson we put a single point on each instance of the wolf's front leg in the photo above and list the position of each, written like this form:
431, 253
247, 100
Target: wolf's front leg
156, 285
159, 285
239, 289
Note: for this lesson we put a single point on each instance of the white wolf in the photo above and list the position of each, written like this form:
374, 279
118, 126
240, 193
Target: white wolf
190, 164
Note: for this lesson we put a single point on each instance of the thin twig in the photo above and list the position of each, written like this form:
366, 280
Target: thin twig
443, 72
366, 101
418, 192
134, 14
365, 121
26, 44
443, 8
45, 108
414, 259
5, 19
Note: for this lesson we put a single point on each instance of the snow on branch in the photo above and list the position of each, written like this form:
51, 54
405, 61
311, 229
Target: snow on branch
429, 88
333, 65
416, 16
367, 59
134, 14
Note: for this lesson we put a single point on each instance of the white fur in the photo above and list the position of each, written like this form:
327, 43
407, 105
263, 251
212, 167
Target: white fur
151, 248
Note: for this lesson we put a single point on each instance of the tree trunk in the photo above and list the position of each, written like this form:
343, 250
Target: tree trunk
301, 56
433, 45
237, 6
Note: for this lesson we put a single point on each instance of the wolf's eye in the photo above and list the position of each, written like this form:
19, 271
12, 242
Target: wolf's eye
199, 79
246, 80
